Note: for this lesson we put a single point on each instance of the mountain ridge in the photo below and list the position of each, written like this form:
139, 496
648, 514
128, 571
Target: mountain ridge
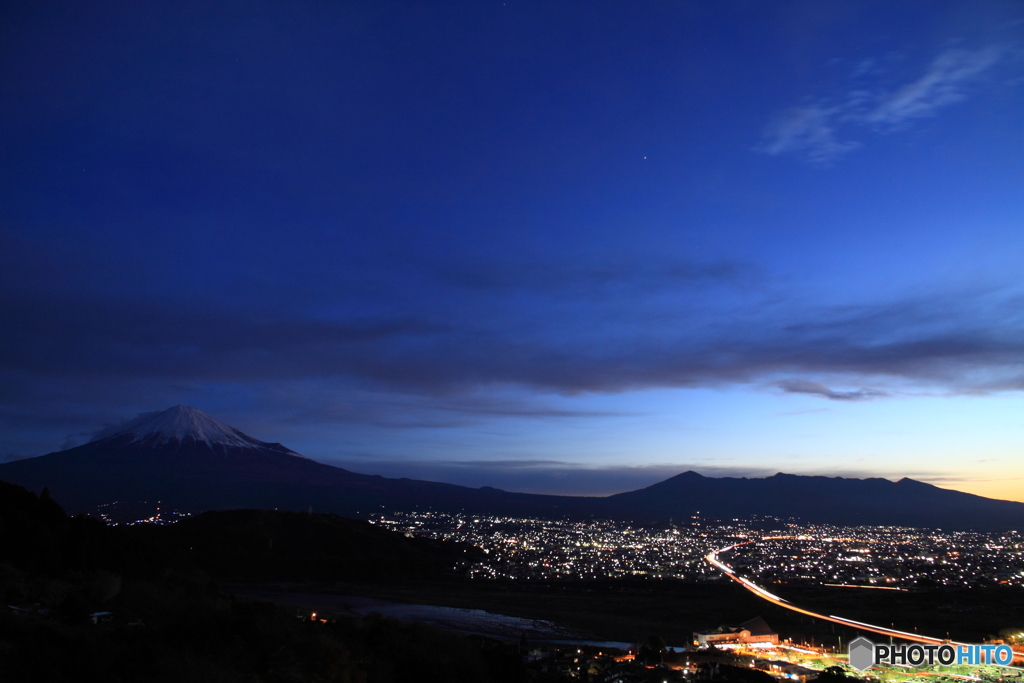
192, 461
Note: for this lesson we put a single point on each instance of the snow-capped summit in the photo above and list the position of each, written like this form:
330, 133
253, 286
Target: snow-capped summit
183, 425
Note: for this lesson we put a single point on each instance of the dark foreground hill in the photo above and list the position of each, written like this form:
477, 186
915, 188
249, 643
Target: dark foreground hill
192, 462
85, 602
235, 545
257, 545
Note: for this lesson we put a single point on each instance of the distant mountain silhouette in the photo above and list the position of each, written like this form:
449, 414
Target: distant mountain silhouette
835, 500
188, 460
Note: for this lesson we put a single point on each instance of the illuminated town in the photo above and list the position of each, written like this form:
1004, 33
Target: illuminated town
759, 552
889, 557
885, 557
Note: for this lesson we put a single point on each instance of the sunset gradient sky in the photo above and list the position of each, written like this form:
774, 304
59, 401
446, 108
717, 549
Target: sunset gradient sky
558, 247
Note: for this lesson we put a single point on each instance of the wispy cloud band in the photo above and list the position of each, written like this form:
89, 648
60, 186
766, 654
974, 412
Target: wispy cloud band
803, 386
812, 129
964, 342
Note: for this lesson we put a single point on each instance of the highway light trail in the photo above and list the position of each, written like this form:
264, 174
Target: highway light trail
712, 558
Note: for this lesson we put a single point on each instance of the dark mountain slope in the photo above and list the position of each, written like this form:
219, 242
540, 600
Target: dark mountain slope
191, 461
835, 500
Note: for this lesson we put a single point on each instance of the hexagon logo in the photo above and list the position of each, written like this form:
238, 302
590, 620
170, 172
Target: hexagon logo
862, 653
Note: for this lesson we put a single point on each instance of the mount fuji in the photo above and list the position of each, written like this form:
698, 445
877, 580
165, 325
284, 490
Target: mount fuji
190, 461
184, 427
193, 462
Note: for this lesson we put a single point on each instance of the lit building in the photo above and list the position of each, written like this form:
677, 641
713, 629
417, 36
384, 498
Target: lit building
754, 631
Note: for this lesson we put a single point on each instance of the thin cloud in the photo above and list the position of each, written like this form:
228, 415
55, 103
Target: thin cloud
959, 482
522, 409
508, 464
944, 83
113, 428
633, 274
802, 386
812, 130
543, 476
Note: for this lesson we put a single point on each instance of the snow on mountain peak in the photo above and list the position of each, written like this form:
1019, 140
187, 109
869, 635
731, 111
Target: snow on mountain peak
183, 422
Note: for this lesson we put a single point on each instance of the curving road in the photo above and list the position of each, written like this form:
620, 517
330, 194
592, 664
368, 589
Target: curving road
712, 558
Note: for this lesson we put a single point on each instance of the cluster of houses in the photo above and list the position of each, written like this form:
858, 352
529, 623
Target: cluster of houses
706, 659
587, 663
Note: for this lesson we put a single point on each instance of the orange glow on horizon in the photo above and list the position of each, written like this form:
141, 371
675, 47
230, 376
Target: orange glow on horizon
1011, 488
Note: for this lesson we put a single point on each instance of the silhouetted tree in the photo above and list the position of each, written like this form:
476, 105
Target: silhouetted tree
833, 674
652, 650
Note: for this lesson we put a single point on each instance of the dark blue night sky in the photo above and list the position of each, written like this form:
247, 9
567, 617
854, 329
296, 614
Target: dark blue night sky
562, 247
